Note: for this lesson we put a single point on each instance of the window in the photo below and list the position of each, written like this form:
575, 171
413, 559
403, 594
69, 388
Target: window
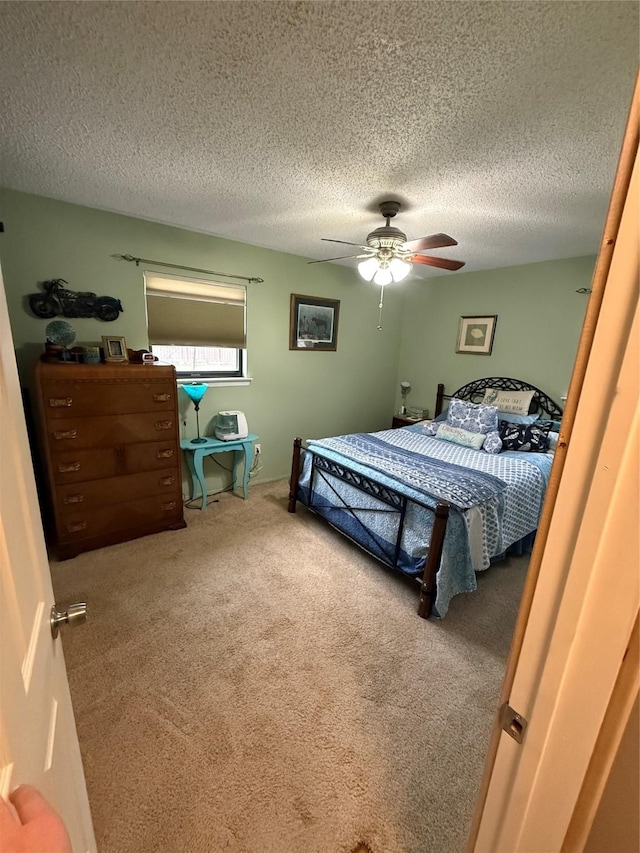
198, 326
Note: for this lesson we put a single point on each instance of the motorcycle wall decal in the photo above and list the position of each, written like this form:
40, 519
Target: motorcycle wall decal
59, 301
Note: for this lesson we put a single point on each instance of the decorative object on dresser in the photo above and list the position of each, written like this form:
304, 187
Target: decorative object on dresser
59, 335
91, 355
109, 436
115, 349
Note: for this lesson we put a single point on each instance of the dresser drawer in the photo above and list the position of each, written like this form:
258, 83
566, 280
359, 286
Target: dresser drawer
61, 400
88, 523
150, 455
70, 433
79, 497
76, 466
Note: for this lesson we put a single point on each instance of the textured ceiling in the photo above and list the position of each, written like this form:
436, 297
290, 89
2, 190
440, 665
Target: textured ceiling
278, 123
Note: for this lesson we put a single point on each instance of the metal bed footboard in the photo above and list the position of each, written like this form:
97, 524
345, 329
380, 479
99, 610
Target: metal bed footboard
391, 502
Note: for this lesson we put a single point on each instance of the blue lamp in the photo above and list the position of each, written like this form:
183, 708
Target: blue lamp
196, 390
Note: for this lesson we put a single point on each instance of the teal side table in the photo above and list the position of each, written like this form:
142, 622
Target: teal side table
195, 453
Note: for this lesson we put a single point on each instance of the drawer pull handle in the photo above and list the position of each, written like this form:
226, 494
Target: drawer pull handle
75, 528
168, 506
167, 481
164, 424
65, 433
64, 468
164, 454
73, 499
161, 398
58, 402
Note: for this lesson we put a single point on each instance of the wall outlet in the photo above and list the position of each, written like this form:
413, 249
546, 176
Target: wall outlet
257, 448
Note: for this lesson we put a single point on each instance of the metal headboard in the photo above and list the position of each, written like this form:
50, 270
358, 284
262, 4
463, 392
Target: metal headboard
474, 392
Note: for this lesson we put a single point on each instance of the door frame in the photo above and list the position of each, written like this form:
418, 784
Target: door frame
562, 620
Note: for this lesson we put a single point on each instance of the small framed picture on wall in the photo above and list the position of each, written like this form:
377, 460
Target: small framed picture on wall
475, 334
313, 323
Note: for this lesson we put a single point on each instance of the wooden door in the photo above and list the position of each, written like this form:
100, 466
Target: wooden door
38, 741
568, 672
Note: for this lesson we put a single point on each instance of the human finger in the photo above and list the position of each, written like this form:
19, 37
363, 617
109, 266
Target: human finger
7, 817
29, 803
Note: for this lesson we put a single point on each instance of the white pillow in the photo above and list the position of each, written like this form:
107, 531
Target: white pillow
553, 441
457, 435
514, 402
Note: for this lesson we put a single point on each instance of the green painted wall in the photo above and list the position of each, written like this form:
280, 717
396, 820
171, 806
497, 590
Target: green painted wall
540, 317
310, 394
306, 393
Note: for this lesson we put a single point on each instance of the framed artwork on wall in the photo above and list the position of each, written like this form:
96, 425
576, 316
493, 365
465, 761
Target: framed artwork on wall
313, 323
475, 334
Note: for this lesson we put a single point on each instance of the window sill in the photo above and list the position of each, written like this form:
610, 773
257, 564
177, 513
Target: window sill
222, 381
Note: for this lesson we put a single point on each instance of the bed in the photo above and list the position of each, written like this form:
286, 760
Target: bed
421, 502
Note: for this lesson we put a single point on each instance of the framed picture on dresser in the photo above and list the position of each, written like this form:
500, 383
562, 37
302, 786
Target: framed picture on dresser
115, 349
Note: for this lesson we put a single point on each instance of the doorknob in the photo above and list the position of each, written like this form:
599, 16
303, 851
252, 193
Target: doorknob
75, 614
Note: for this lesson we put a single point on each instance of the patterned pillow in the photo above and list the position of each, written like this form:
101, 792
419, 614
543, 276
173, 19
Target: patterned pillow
527, 438
474, 417
492, 442
516, 402
431, 428
460, 436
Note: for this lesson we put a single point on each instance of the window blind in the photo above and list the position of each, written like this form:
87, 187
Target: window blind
195, 313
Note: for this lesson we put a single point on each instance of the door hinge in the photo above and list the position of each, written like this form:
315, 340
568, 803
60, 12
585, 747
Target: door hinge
512, 723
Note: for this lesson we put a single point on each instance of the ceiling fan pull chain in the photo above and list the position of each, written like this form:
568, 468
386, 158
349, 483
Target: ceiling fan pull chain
380, 307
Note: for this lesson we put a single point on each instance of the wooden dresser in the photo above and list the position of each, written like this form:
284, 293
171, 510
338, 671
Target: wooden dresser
110, 442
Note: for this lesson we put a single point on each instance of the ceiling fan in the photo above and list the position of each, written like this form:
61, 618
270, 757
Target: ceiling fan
388, 255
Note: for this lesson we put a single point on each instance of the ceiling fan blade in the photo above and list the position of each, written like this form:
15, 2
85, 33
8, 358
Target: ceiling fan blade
434, 241
443, 263
346, 242
341, 258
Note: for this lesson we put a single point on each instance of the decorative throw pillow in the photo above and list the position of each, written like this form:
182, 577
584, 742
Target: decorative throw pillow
446, 432
474, 417
527, 438
431, 428
514, 402
517, 419
492, 442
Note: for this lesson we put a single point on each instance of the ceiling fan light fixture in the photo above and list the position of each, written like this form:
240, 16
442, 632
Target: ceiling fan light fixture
383, 276
384, 271
368, 268
399, 269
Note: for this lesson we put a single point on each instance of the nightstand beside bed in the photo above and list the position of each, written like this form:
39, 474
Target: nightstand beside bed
404, 420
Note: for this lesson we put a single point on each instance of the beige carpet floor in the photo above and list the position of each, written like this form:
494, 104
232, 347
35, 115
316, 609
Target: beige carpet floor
255, 683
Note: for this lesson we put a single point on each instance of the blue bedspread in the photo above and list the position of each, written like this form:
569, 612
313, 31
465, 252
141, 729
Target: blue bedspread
495, 500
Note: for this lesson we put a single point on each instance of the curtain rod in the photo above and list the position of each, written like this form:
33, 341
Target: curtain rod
139, 261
